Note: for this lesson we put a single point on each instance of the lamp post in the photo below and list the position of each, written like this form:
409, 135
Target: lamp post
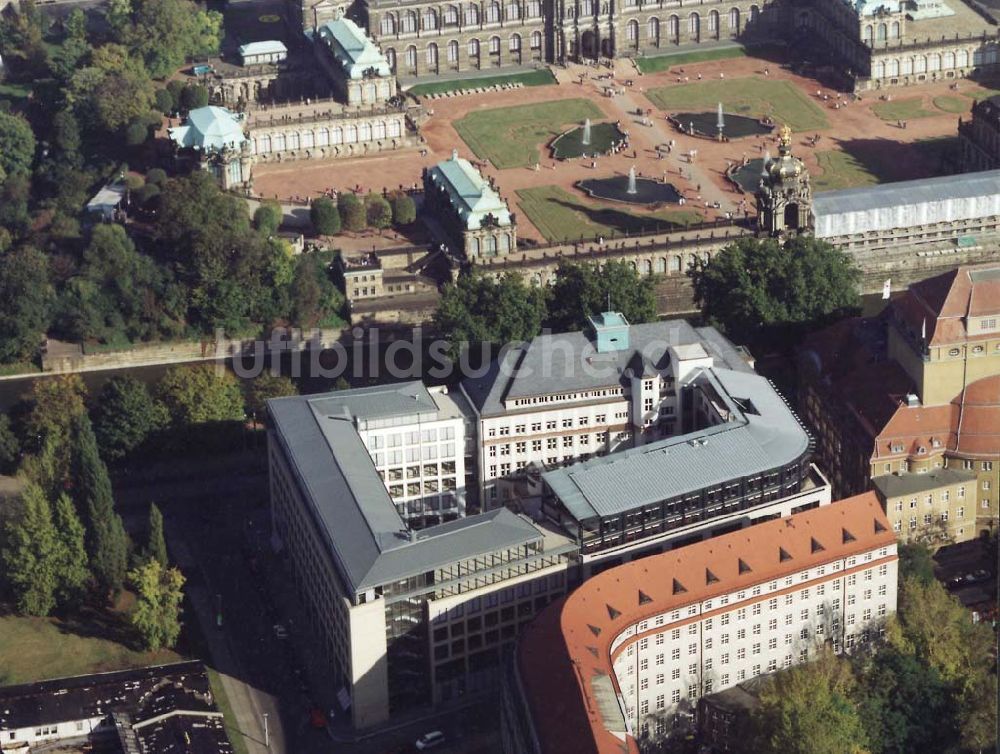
267, 738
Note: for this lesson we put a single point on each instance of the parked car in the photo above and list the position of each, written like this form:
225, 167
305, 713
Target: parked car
430, 740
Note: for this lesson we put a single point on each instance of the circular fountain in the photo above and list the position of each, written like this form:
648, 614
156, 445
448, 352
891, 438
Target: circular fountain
588, 140
631, 189
720, 125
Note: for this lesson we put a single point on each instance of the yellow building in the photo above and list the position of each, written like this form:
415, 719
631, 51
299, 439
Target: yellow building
937, 507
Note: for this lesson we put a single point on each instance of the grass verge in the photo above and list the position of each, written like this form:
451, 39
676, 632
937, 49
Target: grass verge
509, 137
950, 104
840, 171
541, 77
561, 216
755, 97
669, 60
222, 702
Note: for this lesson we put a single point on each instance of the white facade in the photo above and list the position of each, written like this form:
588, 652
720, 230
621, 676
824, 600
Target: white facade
667, 662
421, 462
10, 738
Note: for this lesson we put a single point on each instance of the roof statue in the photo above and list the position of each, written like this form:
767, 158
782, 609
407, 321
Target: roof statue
785, 136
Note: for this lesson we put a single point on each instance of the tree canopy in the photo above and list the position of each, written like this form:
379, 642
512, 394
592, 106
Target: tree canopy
199, 394
157, 611
17, 145
25, 301
478, 309
584, 290
754, 287
127, 415
31, 553
165, 33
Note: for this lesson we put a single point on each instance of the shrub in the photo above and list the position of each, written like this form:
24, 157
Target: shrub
325, 217
378, 211
165, 101
352, 213
404, 210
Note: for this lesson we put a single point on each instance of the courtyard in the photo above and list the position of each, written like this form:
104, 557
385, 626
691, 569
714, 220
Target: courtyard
507, 134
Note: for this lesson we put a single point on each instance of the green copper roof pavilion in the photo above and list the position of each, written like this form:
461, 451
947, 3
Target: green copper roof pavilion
210, 129
471, 196
352, 49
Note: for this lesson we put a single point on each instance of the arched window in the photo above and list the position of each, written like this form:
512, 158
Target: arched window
689, 261
453, 51
895, 29
351, 134
533, 9
293, 140
451, 15
587, 7
432, 55
653, 31
713, 22
869, 33
390, 58
491, 246
387, 25
948, 61
536, 40
278, 142
379, 130
754, 14
411, 57
408, 23
308, 139
395, 128
880, 69
430, 19
513, 11
734, 20
323, 137
694, 25
892, 69
883, 32
474, 48
661, 266
632, 32
472, 15
475, 247
675, 264
365, 132
336, 135
962, 59
673, 27
494, 45
264, 144
933, 62
920, 64
647, 267
492, 13
515, 43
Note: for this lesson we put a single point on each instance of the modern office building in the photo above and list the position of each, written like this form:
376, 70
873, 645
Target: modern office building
914, 390
615, 660
569, 396
167, 708
407, 617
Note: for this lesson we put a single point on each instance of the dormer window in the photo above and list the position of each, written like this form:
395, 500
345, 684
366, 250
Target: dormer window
954, 352
921, 450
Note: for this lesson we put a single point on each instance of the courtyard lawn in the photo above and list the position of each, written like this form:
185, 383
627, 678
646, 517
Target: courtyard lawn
663, 62
902, 109
561, 216
950, 104
840, 171
32, 649
222, 702
509, 137
541, 77
989, 90
753, 96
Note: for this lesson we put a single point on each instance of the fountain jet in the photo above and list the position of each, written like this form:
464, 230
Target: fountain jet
631, 181
586, 132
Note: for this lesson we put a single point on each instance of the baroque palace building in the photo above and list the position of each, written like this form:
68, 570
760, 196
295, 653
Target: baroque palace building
874, 43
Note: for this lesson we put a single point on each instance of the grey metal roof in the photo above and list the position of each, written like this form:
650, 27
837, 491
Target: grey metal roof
753, 441
923, 190
378, 402
368, 540
566, 362
893, 485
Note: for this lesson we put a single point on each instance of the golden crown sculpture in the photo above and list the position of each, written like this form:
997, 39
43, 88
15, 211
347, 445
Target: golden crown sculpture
785, 135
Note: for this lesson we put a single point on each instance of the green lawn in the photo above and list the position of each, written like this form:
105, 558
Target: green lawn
982, 94
540, 77
839, 171
950, 104
560, 216
754, 96
663, 62
509, 137
14, 91
902, 109
32, 649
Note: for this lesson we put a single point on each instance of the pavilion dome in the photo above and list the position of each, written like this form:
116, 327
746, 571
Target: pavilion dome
210, 129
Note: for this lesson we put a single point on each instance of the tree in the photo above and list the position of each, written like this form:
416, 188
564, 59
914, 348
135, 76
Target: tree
165, 101
263, 388
156, 546
478, 309
352, 212
324, 216
17, 144
136, 133
315, 299
107, 542
156, 177
25, 301
202, 393
267, 218
74, 47
755, 284
194, 96
30, 554
404, 211
127, 415
113, 91
584, 290
807, 710
71, 555
55, 404
157, 611
10, 446
977, 714
167, 32
378, 212
916, 560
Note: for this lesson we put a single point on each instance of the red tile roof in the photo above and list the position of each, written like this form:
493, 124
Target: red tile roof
943, 302
978, 427
569, 644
